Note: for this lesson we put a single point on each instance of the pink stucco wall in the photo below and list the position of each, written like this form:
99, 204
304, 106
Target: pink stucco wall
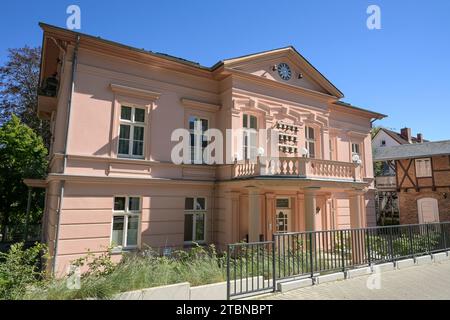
94, 174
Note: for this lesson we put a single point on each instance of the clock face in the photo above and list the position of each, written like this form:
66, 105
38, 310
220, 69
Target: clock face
284, 71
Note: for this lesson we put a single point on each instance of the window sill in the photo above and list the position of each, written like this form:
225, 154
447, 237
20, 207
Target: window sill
120, 250
192, 244
123, 156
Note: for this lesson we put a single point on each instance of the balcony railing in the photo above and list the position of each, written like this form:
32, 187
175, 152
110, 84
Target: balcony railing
386, 182
297, 167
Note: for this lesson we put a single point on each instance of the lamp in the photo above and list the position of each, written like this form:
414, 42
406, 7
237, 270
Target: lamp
355, 158
260, 151
274, 67
237, 156
300, 75
304, 152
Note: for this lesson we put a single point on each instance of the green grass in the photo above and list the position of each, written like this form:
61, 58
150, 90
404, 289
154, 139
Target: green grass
136, 271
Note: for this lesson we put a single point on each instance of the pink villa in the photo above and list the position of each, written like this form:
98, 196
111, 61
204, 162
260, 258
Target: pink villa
112, 181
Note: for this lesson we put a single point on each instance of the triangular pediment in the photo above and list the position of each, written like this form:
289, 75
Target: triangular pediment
267, 65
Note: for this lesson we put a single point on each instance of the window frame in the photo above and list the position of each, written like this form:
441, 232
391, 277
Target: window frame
358, 145
430, 168
200, 118
194, 212
309, 140
249, 150
132, 124
126, 213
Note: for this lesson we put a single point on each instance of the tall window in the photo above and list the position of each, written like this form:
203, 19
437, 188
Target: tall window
331, 146
356, 149
250, 136
310, 141
126, 215
194, 220
131, 132
198, 139
423, 167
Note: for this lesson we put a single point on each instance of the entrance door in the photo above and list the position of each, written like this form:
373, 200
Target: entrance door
428, 210
283, 220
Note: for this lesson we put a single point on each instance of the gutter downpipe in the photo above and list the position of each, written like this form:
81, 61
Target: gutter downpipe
63, 182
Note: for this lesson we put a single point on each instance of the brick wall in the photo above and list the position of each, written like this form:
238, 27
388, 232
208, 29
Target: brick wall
408, 204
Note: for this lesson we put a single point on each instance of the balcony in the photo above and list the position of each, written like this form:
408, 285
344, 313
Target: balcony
386, 182
306, 168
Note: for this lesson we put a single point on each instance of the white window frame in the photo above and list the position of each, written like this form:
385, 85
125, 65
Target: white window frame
427, 170
309, 140
194, 159
133, 124
194, 213
358, 145
126, 213
249, 148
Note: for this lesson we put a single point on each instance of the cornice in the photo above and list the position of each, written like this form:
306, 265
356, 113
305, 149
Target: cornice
204, 106
136, 92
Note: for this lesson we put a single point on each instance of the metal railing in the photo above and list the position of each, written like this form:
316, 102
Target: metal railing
256, 267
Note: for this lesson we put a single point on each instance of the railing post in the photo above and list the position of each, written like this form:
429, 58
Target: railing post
369, 259
411, 247
428, 238
444, 235
274, 274
391, 245
228, 273
341, 236
311, 261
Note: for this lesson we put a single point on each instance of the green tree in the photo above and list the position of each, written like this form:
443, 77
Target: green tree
22, 155
19, 82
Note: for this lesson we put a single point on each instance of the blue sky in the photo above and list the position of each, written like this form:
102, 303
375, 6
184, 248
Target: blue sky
401, 70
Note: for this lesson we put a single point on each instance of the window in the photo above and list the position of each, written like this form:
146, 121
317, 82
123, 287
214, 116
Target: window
250, 143
331, 149
126, 216
310, 141
131, 132
356, 149
383, 143
194, 220
198, 139
423, 167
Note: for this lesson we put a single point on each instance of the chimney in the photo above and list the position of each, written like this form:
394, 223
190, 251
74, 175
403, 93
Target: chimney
419, 138
406, 134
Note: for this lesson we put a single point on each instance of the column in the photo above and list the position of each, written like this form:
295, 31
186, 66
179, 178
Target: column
270, 210
356, 210
310, 211
235, 223
300, 212
358, 236
254, 219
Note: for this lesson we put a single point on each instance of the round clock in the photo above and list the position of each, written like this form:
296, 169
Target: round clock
284, 71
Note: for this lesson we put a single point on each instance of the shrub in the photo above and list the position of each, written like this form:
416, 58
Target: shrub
136, 271
19, 270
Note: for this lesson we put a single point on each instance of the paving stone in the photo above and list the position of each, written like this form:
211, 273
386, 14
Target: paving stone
429, 281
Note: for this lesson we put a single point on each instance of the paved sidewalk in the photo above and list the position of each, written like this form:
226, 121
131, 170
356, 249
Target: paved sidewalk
430, 281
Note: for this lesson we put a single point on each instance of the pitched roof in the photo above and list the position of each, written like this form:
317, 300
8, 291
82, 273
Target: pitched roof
338, 93
414, 150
